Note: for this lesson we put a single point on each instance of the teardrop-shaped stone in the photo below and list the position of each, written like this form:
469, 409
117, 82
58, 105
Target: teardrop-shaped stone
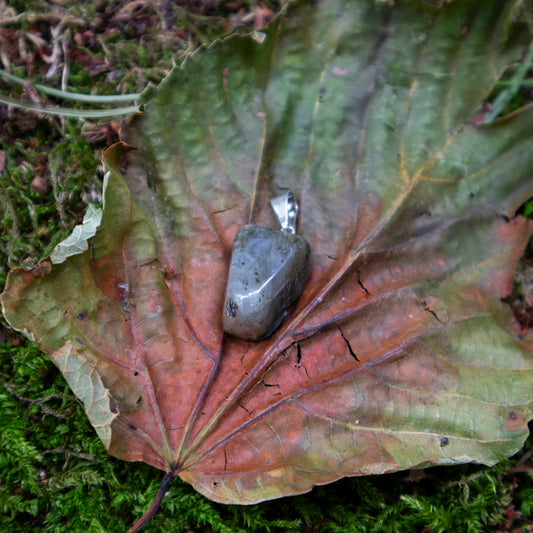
267, 273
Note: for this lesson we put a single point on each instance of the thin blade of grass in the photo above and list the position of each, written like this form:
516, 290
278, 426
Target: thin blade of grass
507, 94
76, 97
66, 112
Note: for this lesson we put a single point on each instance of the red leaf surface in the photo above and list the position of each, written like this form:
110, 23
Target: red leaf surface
399, 352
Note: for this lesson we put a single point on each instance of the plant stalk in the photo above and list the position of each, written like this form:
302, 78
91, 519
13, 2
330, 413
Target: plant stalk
66, 112
155, 504
77, 97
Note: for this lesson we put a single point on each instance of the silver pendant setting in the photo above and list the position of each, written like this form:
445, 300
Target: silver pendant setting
286, 209
268, 270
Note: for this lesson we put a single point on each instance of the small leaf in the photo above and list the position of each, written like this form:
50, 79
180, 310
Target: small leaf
400, 352
87, 385
76, 242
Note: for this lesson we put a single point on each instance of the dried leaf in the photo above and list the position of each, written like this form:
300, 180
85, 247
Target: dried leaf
400, 352
76, 242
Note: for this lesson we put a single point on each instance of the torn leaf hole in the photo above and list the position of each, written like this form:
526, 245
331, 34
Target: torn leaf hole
352, 353
429, 310
242, 407
269, 384
361, 284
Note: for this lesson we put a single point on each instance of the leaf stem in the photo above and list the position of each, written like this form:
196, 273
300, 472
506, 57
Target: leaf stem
155, 504
506, 95
77, 97
509, 83
67, 112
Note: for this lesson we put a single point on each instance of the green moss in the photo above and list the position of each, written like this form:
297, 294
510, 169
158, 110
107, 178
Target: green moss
56, 476
33, 220
79, 77
527, 209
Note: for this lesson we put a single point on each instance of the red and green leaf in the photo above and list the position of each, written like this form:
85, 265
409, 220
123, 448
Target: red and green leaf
400, 352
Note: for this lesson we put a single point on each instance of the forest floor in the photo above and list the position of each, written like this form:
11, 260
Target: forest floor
54, 472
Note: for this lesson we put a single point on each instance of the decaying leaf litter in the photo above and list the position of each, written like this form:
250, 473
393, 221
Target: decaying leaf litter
409, 210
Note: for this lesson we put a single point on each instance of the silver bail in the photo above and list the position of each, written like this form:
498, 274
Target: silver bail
286, 209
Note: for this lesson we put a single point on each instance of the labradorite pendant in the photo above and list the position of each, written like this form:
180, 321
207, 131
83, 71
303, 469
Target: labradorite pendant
267, 273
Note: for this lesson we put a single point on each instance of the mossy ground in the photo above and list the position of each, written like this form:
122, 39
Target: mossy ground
55, 476
54, 473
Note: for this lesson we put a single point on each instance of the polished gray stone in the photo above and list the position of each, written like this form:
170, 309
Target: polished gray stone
268, 271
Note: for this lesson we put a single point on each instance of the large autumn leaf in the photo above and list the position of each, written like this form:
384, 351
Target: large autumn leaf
400, 351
